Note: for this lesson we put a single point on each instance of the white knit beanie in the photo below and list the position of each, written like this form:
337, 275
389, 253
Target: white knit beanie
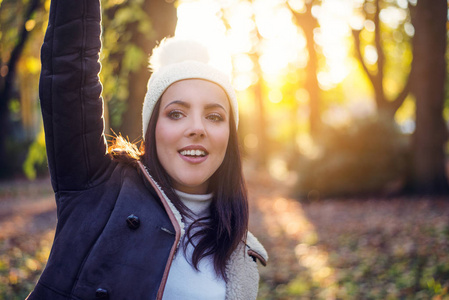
174, 60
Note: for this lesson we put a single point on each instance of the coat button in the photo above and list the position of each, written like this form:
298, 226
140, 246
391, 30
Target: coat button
133, 221
101, 293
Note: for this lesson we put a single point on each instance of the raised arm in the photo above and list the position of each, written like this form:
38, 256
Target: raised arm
70, 95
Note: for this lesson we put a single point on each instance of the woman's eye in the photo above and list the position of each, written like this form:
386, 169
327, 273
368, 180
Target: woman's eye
215, 118
175, 115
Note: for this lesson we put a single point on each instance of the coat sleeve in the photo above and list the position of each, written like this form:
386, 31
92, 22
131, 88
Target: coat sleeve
70, 95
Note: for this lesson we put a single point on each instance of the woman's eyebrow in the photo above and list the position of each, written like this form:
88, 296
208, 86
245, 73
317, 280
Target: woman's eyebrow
179, 102
215, 105
187, 105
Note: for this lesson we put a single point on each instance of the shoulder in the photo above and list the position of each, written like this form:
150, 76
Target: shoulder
242, 270
255, 249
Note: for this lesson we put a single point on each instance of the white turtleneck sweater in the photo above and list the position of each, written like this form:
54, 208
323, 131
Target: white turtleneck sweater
184, 281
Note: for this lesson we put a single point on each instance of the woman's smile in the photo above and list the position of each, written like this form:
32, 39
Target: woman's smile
192, 133
194, 154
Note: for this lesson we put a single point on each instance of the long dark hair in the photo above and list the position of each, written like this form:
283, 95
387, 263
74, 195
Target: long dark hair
227, 226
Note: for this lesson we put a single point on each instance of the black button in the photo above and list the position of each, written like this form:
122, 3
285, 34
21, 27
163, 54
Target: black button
133, 221
101, 293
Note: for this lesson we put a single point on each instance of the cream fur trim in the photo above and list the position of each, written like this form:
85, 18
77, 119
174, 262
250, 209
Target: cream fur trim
256, 246
242, 272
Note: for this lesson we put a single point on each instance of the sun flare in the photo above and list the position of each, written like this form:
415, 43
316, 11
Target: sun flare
239, 29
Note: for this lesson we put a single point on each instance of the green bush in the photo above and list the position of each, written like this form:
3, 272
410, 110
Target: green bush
370, 156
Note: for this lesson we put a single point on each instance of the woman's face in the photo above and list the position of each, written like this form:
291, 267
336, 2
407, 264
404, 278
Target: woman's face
192, 133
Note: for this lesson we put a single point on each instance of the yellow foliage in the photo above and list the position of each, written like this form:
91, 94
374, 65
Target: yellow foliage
36, 155
31, 264
33, 65
406, 111
47, 5
29, 25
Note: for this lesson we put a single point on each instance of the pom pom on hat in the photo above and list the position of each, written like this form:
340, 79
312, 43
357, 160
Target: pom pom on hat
177, 59
172, 51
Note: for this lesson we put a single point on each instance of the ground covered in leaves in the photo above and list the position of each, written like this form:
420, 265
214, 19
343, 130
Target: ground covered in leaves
369, 248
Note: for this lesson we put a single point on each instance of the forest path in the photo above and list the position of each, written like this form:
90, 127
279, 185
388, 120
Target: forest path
350, 248
356, 248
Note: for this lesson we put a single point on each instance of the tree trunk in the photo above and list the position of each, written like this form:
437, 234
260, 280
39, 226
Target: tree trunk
263, 149
311, 84
308, 23
163, 19
6, 86
429, 18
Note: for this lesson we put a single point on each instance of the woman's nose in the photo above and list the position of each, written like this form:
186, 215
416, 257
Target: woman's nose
196, 128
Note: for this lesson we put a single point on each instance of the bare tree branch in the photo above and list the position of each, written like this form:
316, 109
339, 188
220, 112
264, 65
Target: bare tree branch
357, 46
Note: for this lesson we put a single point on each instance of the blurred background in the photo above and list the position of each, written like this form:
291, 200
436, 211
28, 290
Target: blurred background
344, 130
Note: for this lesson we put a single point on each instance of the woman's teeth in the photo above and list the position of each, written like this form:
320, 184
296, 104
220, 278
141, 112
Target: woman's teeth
193, 153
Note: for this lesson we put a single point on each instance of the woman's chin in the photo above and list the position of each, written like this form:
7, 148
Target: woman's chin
192, 186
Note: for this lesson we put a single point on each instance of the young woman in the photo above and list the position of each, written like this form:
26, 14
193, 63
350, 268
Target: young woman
167, 222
